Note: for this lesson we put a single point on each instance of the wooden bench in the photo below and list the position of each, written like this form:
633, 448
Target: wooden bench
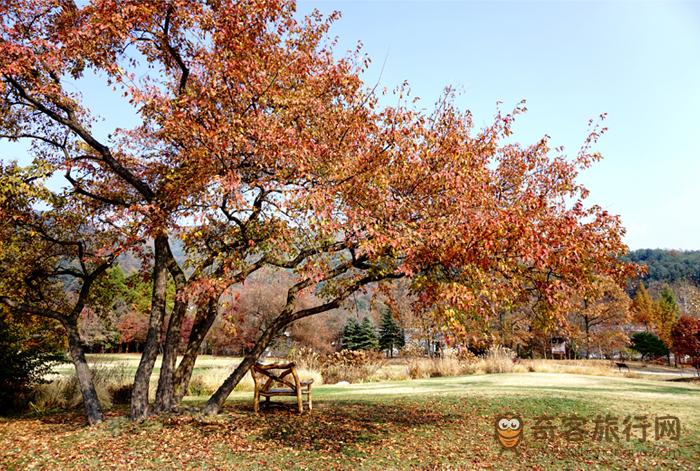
279, 379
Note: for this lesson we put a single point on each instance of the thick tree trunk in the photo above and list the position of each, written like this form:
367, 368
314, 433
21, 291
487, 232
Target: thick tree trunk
139, 396
166, 381
199, 331
216, 401
93, 408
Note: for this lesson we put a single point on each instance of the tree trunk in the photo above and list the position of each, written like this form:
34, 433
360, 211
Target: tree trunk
93, 408
588, 341
199, 331
166, 381
139, 396
216, 401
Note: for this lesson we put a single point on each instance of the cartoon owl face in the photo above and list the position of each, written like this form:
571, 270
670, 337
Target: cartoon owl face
509, 430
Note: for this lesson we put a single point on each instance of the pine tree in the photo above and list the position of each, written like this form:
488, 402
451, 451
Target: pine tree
351, 334
391, 335
649, 345
367, 336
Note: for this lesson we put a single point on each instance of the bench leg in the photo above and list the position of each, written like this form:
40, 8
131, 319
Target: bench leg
256, 401
308, 395
300, 403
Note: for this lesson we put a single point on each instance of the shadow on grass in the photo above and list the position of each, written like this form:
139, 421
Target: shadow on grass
331, 426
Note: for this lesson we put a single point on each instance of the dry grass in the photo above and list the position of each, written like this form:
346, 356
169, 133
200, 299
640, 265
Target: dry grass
581, 367
421, 368
63, 392
346, 365
496, 360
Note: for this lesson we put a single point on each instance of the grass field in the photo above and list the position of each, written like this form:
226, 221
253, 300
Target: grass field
433, 423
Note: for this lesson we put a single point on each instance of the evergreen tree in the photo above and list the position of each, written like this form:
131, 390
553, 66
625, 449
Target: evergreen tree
359, 336
351, 334
367, 336
649, 345
391, 335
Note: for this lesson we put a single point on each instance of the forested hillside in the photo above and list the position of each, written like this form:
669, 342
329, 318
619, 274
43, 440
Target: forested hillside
669, 265
677, 269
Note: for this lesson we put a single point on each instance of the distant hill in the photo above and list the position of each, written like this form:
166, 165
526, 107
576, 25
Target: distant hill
129, 263
669, 266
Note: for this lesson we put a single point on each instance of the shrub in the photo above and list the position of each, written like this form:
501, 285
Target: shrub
418, 368
305, 357
25, 359
413, 350
352, 366
466, 356
649, 345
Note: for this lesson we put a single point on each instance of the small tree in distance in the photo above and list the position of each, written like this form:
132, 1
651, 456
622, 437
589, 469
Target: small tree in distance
643, 306
686, 339
667, 313
368, 336
391, 335
359, 336
648, 345
351, 334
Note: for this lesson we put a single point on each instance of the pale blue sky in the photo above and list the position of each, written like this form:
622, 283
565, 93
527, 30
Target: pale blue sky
571, 61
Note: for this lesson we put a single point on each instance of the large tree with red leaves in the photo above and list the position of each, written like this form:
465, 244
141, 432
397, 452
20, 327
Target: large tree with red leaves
258, 147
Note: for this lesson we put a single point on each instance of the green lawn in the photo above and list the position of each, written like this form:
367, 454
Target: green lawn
436, 423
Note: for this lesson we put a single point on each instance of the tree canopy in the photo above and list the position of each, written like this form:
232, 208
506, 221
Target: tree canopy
259, 147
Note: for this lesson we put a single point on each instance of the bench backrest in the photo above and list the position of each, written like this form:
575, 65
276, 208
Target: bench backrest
266, 376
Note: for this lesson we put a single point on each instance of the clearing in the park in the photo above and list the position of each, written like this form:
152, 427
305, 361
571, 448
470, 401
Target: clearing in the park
426, 424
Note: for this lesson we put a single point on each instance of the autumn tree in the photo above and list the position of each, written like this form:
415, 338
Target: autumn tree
643, 308
512, 327
602, 311
50, 258
685, 335
666, 314
257, 147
